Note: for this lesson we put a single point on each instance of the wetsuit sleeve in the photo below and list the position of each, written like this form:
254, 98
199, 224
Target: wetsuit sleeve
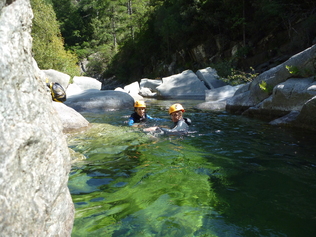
130, 121
157, 119
180, 129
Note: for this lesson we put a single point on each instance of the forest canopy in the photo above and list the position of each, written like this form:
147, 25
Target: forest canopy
140, 38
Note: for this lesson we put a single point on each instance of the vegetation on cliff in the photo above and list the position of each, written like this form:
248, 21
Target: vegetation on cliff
48, 44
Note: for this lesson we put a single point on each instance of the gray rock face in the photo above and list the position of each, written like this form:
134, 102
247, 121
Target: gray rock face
96, 101
210, 78
150, 83
216, 98
290, 95
34, 157
253, 95
289, 101
185, 85
81, 84
71, 119
55, 76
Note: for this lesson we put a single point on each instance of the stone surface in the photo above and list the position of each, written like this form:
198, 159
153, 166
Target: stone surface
146, 92
210, 78
221, 93
150, 83
288, 100
290, 95
81, 84
185, 85
254, 95
219, 105
307, 117
34, 157
97, 101
70, 119
55, 76
132, 88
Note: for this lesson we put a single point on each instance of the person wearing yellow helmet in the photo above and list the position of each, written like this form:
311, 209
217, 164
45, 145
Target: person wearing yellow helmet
181, 124
139, 115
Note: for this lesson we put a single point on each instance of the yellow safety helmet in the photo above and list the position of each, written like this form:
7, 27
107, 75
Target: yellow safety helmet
140, 103
176, 107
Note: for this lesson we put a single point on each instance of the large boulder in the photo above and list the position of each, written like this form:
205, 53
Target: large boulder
132, 88
146, 92
210, 78
307, 116
99, 101
81, 84
221, 93
185, 85
288, 96
70, 118
150, 83
34, 157
216, 98
51, 75
253, 94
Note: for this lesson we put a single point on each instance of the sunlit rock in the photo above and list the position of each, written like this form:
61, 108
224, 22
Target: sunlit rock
99, 101
150, 83
210, 78
70, 119
34, 157
254, 94
55, 76
146, 92
221, 93
216, 98
219, 105
185, 85
132, 88
81, 84
288, 96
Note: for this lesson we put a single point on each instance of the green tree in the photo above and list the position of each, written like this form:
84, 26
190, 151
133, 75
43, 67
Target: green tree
48, 46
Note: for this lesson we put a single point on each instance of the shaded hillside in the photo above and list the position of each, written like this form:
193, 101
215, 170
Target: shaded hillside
132, 39
184, 35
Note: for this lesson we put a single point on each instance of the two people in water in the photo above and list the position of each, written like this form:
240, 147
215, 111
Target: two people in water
181, 124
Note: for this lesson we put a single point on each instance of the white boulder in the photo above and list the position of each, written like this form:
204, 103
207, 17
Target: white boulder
150, 83
184, 85
210, 78
55, 76
70, 119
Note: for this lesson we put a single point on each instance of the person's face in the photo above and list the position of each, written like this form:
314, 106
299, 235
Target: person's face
140, 111
176, 116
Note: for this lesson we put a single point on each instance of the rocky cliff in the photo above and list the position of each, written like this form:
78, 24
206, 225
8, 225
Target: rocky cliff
34, 157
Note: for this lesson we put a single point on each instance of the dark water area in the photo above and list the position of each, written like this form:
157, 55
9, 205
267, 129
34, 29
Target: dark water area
230, 176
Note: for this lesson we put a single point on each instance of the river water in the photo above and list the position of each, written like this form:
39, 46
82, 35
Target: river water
231, 176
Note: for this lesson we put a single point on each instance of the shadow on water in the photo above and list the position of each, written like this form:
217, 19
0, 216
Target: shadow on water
231, 176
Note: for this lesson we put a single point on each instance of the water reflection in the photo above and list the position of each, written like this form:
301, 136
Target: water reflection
231, 176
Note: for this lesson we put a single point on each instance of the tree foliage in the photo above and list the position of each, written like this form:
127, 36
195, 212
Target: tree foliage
48, 46
137, 38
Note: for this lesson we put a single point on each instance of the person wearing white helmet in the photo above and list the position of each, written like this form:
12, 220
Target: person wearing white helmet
139, 115
181, 124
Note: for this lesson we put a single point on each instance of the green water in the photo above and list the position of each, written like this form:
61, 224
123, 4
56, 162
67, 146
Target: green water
231, 176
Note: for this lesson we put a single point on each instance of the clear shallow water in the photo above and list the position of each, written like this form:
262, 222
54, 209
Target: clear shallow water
232, 176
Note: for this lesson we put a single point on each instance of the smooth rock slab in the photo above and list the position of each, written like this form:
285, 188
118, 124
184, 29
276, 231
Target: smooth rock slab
185, 85
98, 101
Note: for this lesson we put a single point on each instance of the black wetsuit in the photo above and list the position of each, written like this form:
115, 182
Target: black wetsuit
135, 118
181, 127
